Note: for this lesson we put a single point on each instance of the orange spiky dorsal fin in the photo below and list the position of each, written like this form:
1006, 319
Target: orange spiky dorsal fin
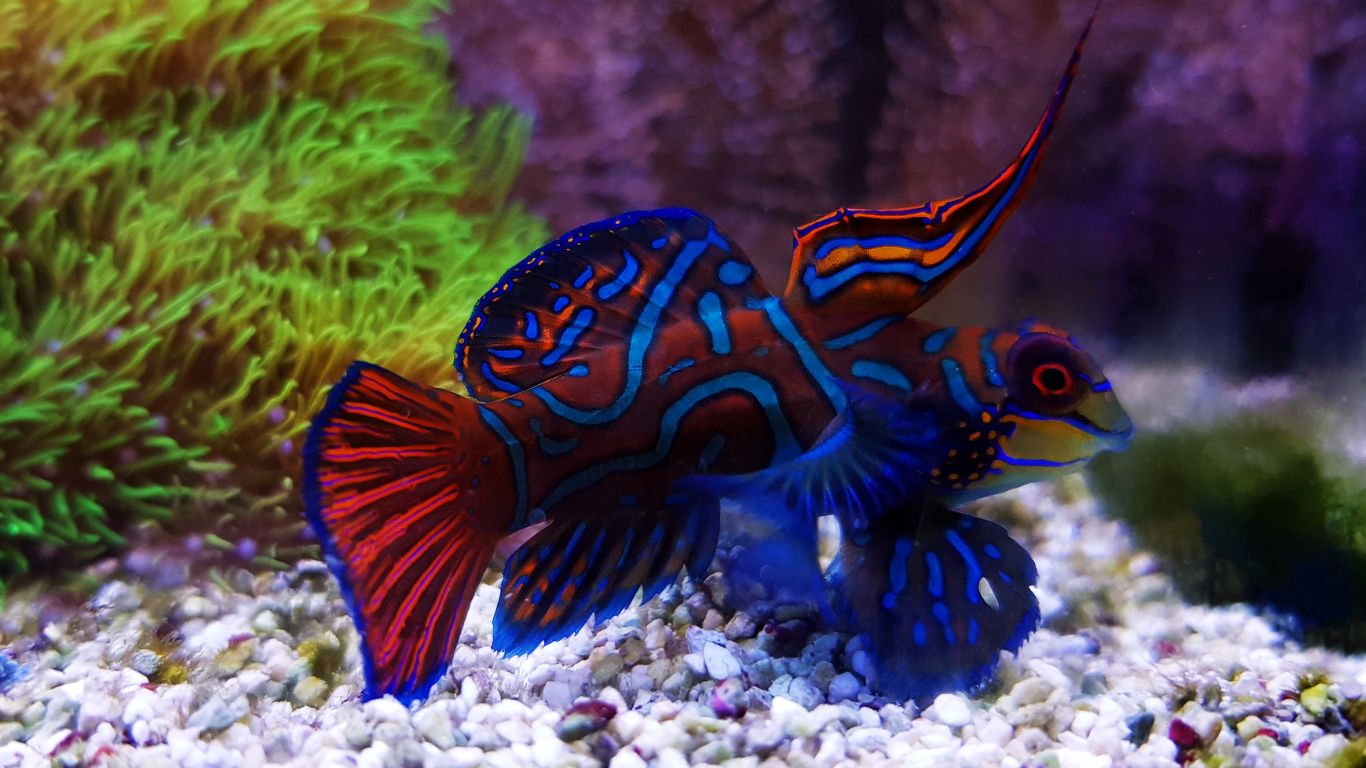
864, 262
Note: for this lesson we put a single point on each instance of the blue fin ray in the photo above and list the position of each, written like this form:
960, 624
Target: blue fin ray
876, 455
592, 564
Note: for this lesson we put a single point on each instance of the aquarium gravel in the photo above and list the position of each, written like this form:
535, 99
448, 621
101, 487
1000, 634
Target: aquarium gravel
243, 668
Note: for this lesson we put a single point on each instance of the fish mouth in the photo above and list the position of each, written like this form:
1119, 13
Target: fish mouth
1115, 437
1118, 437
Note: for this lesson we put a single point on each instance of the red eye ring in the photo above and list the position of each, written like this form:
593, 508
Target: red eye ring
1052, 379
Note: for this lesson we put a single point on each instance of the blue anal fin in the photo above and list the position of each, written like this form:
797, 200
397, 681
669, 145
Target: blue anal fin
592, 564
937, 595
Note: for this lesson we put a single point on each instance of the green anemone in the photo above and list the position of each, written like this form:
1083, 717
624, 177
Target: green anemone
206, 211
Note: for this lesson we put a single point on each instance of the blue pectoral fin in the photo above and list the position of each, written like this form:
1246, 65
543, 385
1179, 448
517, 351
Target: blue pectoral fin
937, 595
874, 456
592, 565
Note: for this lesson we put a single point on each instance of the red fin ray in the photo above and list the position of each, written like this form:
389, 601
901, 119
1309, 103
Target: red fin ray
392, 486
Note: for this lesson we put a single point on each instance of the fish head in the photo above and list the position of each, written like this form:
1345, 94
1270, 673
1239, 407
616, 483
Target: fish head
1059, 409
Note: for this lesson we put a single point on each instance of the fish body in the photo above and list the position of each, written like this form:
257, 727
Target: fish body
626, 379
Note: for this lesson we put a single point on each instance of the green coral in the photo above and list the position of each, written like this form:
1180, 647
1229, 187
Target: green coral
206, 211
1249, 510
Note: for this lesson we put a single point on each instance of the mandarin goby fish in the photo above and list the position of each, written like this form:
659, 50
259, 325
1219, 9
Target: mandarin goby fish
627, 378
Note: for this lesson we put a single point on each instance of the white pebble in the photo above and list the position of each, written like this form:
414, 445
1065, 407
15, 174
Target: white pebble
434, 724
950, 709
1325, 748
47, 743
808, 724
785, 711
19, 755
868, 738
548, 751
994, 730
844, 686
140, 733
670, 758
95, 709
720, 663
981, 753
373, 756
514, 731
1083, 722
696, 663
386, 709
465, 757
862, 664
626, 758
1075, 758
141, 706
557, 695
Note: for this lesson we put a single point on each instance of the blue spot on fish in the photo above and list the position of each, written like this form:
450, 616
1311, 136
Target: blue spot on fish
713, 317
581, 320
896, 573
936, 578
918, 633
881, 373
584, 277
628, 273
734, 272
941, 612
934, 343
862, 333
970, 560
675, 368
990, 365
559, 305
505, 386
958, 387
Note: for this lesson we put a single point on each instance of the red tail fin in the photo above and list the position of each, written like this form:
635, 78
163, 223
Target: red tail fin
392, 486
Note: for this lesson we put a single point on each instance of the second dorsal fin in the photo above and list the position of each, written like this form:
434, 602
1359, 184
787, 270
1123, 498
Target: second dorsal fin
578, 305
863, 262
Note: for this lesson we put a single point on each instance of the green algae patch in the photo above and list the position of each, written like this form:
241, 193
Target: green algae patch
1249, 510
206, 211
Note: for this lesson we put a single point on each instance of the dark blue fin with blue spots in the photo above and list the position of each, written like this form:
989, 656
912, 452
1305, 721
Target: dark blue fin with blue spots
604, 287
592, 564
937, 595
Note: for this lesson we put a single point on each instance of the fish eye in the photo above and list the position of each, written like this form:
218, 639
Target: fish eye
1043, 374
1052, 379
